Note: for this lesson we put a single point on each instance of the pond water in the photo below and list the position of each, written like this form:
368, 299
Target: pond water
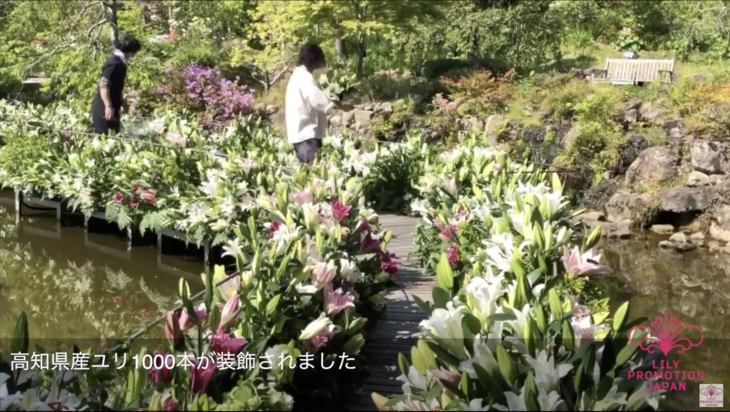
77, 286
692, 287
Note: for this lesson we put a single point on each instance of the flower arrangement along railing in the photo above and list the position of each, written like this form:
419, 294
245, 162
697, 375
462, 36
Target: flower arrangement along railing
176, 175
313, 262
515, 325
308, 286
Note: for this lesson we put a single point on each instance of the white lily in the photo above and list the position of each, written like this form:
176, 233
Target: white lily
7, 400
547, 375
445, 324
415, 380
483, 357
321, 325
482, 296
612, 399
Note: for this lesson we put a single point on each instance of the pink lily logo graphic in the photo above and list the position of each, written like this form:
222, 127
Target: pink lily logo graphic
664, 334
711, 391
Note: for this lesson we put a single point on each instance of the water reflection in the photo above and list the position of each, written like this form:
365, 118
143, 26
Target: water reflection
74, 285
693, 287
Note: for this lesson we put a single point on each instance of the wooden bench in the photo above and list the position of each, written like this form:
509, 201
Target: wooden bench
635, 71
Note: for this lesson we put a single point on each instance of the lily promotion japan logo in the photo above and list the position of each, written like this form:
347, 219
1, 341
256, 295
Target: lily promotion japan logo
665, 334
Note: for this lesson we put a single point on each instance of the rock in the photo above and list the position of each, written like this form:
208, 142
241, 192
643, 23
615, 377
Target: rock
696, 179
633, 104
695, 225
632, 116
493, 127
593, 215
611, 230
620, 232
697, 238
652, 113
348, 118
711, 157
637, 210
686, 199
336, 120
713, 245
654, 166
472, 123
662, 229
569, 138
675, 136
726, 249
720, 226
635, 144
685, 247
678, 242
385, 107
271, 109
678, 237
598, 196
363, 118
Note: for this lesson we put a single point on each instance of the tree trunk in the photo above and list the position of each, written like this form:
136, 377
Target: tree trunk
360, 56
339, 46
111, 17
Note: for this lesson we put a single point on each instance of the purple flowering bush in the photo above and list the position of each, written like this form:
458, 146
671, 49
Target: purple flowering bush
204, 90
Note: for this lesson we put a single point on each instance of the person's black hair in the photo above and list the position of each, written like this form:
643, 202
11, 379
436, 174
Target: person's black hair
311, 55
128, 44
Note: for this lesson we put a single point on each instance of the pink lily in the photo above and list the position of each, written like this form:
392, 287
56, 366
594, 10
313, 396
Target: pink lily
316, 343
340, 210
229, 311
118, 197
305, 196
221, 342
172, 327
370, 245
336, 301
452, 254
583, 265
170, 405
389, 263
163, 374
364, 226
149, 196
201, 375
200, 312
447, 233
323, 273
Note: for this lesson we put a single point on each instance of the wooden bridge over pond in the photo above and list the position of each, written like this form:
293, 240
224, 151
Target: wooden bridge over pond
397, 333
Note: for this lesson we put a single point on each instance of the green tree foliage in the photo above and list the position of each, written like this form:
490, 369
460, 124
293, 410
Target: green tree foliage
258, 40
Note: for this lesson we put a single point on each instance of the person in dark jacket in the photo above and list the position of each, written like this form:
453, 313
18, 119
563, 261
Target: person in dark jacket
107, 105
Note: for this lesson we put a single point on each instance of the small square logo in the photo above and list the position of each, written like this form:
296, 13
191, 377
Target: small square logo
711, 395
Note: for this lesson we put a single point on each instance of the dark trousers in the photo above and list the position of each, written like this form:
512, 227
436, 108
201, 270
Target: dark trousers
101, 124
104, 126
307, 150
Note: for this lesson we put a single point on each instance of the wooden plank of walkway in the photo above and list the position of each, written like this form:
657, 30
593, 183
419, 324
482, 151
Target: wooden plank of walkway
400, 329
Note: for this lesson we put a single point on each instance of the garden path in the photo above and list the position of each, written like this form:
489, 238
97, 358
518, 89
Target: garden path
398, 332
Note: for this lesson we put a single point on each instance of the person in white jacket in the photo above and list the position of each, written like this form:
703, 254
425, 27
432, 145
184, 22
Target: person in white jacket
306, 105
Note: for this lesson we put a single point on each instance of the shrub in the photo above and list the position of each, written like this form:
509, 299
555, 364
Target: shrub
481, 88
204, 90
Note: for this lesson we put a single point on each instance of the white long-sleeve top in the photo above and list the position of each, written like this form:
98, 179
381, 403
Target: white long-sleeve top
306, 107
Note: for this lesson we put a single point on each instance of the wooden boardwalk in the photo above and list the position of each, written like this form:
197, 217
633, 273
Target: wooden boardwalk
399, 331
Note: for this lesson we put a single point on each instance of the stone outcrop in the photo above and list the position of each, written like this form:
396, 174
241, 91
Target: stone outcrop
636, 210
653, 167
686, 199
711, 157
